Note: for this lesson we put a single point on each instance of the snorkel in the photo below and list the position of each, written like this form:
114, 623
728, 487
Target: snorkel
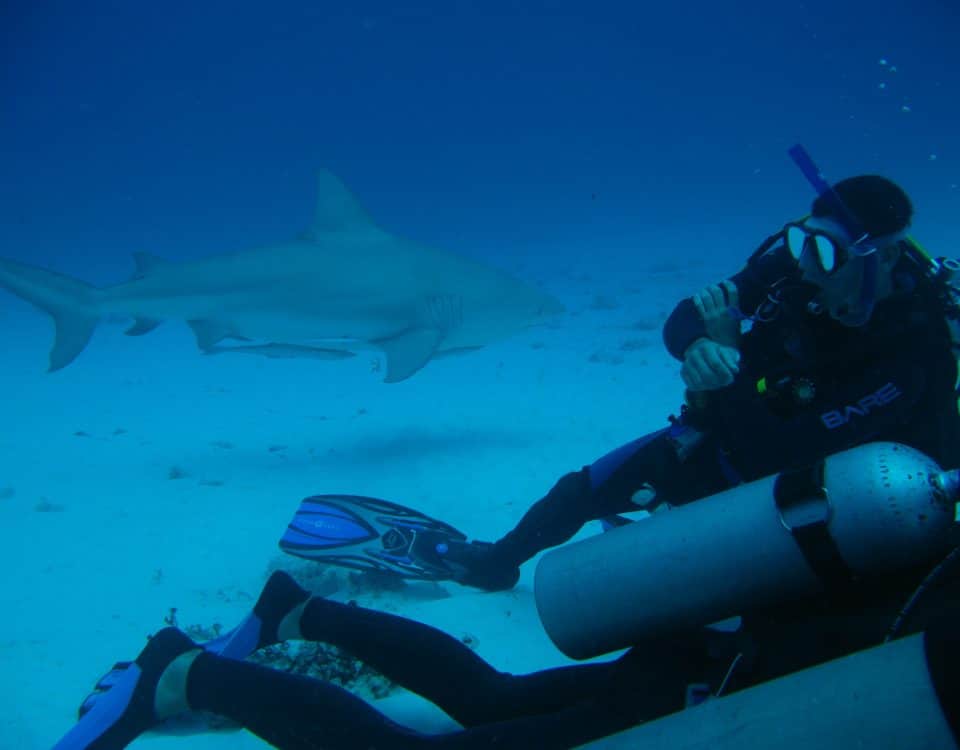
861, 245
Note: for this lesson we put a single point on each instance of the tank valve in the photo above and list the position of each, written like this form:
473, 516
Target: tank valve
948, 483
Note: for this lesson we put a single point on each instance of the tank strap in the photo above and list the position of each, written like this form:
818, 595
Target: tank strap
805, 511
727, 468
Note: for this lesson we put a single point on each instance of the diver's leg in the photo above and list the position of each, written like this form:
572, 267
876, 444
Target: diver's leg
417, 656
289, 711
292, 712
428, 661
295, 713
550, 521
172, 675
604, 488
279, 596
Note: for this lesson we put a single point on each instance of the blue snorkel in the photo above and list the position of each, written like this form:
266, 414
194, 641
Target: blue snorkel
861, 245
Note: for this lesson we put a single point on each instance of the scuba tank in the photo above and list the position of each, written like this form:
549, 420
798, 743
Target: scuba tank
875, 508
904, 694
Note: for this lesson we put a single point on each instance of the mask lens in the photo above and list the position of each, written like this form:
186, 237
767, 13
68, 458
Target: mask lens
826, 252
796, 238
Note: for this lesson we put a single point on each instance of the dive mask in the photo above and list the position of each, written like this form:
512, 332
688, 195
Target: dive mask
829, 252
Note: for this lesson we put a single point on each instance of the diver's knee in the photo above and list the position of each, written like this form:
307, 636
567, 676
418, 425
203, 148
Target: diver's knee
574, 486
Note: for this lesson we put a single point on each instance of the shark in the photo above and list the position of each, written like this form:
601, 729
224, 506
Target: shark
343, 285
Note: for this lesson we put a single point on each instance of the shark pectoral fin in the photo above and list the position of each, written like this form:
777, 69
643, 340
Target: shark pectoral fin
408, 352
208, 333
142, 326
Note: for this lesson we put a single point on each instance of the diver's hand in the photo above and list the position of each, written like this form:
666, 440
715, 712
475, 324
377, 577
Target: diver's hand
713, 303
708, 365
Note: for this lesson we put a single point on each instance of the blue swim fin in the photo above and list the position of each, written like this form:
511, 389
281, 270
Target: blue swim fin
364, 533
110, 700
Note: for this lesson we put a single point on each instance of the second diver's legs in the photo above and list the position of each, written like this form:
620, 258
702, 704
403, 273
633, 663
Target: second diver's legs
556, 708
428, 662
293, 712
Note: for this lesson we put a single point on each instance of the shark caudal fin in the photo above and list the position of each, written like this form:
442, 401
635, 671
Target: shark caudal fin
70, 302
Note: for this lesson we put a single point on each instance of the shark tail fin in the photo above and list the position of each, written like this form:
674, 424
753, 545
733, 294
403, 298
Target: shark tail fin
73, 305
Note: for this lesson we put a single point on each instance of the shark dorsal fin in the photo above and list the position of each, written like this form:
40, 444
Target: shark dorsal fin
145, 263
337, 208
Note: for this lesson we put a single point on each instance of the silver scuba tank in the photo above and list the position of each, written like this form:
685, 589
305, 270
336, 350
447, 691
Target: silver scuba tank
874, 508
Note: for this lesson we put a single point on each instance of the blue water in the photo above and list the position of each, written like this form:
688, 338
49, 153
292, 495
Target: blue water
616, 151
188, 127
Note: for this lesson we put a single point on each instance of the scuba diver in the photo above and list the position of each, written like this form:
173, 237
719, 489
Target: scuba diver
849, 343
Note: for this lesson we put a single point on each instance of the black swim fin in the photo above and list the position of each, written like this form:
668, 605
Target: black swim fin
364, 533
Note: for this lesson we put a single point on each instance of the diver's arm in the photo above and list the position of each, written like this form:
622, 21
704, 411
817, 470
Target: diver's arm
711, 358
712, 316
751, 284
683, 327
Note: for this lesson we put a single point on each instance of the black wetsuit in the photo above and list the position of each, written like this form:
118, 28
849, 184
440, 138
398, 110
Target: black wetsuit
903, 355
555, 708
